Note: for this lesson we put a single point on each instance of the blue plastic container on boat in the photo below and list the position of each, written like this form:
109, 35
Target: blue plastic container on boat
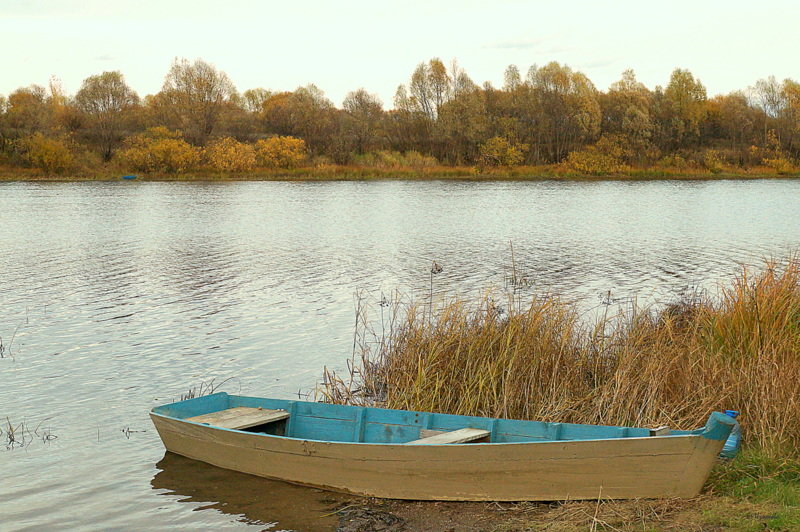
734, 440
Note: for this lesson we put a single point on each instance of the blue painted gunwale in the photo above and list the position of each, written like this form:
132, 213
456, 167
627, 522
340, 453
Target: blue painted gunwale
380, 426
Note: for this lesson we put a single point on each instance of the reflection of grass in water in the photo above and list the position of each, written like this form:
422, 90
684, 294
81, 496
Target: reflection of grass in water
19, 435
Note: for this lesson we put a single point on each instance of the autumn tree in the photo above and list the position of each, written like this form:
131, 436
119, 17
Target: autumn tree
512, 79
407, 127
463, 124
27, 112
791, 116
304, 113
253, 100
768, 96
65, 117
684, 97
4, 141
107, 101
364, 116
419, 106
626, 111
430, 87
567, 106
194, 96
733, 121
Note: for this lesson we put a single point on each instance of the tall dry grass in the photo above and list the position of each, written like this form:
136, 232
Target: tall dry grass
739, 349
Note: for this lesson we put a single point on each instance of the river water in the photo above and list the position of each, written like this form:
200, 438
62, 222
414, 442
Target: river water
116, 297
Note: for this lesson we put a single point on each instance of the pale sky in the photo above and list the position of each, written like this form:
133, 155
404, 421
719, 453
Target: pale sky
341, 46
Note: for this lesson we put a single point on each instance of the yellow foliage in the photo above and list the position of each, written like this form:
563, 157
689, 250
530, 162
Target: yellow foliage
499, 151
781, 165
674, 161
773, 155
48, 154
230, 155
280, 152
607, 156
159, 150
712, 161
395, 159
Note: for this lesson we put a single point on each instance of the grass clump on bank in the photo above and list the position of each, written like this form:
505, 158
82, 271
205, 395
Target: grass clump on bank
739, 349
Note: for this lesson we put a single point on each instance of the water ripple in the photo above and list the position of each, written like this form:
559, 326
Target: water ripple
122, 296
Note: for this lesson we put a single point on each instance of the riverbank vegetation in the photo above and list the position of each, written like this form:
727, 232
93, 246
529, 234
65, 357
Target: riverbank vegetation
501, 357
550, 123
738, 350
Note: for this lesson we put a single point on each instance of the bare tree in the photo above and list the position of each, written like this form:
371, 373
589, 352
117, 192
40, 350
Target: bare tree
106, 100
197, 94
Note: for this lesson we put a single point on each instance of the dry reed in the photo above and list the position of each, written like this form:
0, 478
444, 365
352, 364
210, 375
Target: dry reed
739, 349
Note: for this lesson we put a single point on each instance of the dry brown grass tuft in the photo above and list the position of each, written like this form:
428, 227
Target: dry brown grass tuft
739, 350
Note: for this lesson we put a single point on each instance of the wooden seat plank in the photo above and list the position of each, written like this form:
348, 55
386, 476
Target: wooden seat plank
240, 417
455, 436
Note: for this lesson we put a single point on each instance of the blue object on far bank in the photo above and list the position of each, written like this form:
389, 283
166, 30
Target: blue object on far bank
734, 441
129, 177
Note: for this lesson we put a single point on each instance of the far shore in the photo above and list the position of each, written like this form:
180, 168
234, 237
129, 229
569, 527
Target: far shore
357, 173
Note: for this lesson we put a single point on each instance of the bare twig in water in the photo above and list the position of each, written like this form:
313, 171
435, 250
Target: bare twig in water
127, 431
19, 435
4, 349
436, 269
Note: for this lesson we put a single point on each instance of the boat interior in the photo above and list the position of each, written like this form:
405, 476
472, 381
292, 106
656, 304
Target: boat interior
356, 424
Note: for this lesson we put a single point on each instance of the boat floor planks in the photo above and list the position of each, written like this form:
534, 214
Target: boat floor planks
240, 417
455, 436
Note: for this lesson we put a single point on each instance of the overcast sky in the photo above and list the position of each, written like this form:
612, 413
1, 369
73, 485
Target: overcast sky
341, 46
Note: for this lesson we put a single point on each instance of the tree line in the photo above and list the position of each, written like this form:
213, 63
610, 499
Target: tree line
552, 114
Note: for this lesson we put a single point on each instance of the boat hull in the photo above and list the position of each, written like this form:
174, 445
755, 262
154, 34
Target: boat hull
646, 467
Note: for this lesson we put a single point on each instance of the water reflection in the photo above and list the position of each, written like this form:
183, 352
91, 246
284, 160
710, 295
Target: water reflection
272, 504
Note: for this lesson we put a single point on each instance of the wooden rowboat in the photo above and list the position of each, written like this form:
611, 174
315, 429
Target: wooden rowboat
417, 455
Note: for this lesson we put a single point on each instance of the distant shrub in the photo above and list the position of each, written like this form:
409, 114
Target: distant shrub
87, 160
773, 156
712, 161
48, 154
607, 156
280, 152
320, 161
230, 155
396, 159
416, 159
781, 165
159, 150
499, 151
674, 161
